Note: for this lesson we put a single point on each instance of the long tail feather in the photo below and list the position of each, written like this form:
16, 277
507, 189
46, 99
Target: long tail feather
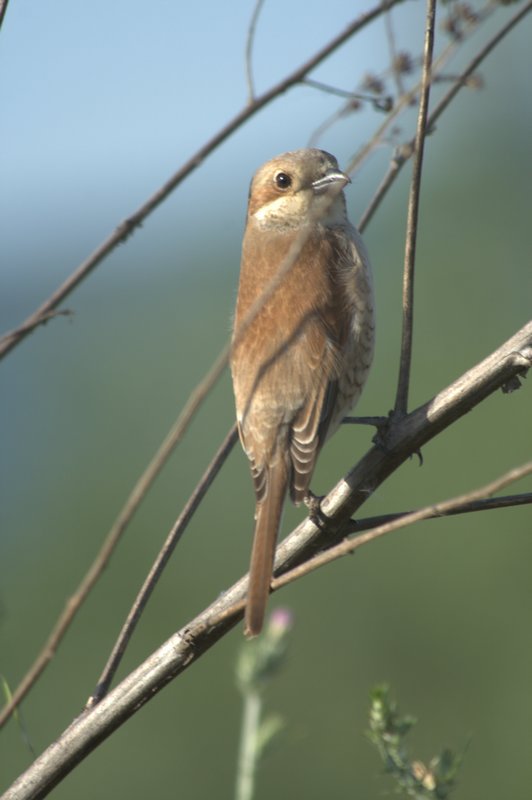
268, 520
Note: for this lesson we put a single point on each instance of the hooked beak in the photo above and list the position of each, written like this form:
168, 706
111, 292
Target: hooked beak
332, 178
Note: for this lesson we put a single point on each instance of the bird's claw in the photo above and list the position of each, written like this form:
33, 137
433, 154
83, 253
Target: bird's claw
313, 504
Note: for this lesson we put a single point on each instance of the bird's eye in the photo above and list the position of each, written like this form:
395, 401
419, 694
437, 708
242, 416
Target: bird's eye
282, 180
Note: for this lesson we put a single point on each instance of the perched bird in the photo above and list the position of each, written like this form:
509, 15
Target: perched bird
302, 339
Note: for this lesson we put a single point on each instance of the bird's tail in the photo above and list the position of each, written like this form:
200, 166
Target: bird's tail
267, 521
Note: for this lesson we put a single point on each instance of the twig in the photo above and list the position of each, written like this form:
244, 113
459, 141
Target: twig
249, 49
380, 103
409, 97
159, 564
3, 9
456, 505
406, 150
395, 167
390, 35
508, 501
128, 226
401, 400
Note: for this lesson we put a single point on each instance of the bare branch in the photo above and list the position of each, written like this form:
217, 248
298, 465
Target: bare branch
249, 49
390, 35
128, 226
401, 400
456, 505
3, 9
162, 559
508, 501
379, 103
405, 151
395, 167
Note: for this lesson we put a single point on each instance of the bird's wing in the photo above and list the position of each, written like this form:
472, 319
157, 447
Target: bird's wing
309, 427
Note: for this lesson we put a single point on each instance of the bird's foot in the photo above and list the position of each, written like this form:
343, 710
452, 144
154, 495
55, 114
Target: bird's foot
313, 504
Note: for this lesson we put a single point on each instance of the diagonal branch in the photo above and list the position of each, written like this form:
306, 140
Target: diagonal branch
249, 49
457, 505
3, 9
162, 559
508, 501
128, 226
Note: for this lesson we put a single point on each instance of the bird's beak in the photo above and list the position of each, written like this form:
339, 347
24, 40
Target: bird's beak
333, 177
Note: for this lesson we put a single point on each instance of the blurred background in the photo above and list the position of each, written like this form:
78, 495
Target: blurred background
101, 103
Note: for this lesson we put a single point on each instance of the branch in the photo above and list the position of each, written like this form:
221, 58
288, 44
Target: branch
3, 9
249, 49
128, 226
401, 400
162, 559
406, 150
390, 35
502, 367
509, 501
464, 503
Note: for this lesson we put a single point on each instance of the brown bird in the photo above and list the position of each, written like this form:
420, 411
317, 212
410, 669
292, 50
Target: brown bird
302, 340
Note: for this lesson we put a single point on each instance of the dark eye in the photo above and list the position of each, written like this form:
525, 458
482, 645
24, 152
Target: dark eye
282, 180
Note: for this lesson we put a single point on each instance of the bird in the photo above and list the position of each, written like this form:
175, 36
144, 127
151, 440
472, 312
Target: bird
303, 338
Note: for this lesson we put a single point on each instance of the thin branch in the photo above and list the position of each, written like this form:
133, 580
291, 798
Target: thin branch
409, 97
159, 564
249, 49
401, 400
384, 103
403, 102
128, 226
390, 35
456, 505
395, 167
508, 501
405, 151
3, 9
